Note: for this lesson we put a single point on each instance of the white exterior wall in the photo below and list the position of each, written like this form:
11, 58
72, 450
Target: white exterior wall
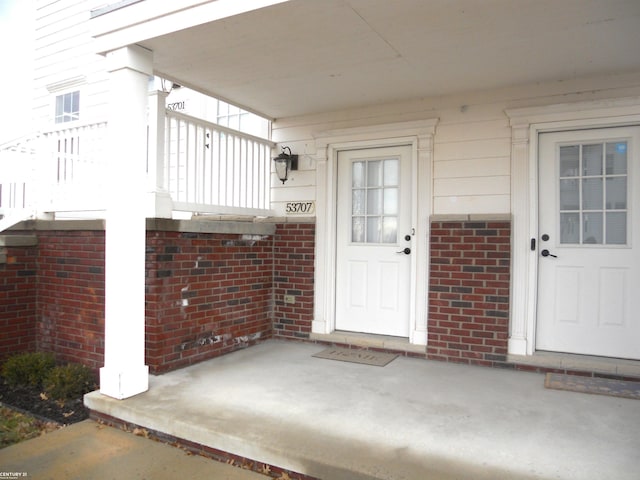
64, 61
472, 143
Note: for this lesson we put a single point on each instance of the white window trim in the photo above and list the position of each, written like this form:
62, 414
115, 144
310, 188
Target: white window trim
63, 87
418, 134
526, 125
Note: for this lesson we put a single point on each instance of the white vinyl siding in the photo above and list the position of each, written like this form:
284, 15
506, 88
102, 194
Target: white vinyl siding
471, 164
64, 61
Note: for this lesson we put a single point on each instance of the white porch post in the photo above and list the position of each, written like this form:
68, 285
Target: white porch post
124, 373
159, 200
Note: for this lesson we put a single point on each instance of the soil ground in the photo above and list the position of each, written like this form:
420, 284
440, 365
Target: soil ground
32, 400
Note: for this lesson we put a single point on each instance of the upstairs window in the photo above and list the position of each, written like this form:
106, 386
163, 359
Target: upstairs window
68, 107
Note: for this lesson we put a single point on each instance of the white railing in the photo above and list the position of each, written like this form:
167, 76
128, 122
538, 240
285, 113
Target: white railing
75, 168
205, 169
16, 175
213, 169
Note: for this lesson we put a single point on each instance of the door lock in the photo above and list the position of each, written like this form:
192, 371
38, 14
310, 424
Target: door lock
406, 251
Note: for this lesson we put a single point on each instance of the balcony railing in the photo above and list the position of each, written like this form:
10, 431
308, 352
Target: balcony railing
214, 169
205, 169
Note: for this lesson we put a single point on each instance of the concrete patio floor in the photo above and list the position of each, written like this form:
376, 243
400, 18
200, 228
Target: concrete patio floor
413, 419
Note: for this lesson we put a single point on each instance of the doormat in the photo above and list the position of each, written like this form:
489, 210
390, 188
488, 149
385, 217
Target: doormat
598, 386
366, 357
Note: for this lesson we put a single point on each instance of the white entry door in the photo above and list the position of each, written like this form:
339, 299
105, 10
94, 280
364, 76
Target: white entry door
374, 241
589, 243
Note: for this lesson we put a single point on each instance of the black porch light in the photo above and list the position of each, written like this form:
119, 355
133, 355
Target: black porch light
284, 163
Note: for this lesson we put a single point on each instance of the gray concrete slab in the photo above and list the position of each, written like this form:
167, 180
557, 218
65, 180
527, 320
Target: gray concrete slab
412, 419
90, 451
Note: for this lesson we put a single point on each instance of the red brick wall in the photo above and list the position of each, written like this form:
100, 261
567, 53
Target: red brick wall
70, 312
207, 294
293, 275
469, 291
18, 300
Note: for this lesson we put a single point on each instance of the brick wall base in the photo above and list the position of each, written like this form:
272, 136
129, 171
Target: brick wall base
469, 291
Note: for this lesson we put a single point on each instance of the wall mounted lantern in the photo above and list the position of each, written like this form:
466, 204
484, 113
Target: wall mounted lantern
285, 163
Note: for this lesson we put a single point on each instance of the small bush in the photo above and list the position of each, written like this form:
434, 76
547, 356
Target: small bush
28, 368
69, 381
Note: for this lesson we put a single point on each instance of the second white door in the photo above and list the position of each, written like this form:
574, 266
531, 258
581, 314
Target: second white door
374, 241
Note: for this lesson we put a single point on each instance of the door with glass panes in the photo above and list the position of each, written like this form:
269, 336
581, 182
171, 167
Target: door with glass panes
374, 241
588, 255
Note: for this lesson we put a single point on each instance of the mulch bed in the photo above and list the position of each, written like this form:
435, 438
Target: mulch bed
31, 400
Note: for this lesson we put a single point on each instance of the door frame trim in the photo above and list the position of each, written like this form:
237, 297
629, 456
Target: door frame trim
417, 134
526, 126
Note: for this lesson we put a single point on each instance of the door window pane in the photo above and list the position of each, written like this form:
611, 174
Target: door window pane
374, 173
390, 201
616, 193
358, 205
357, 174
616, 158
569, 161
373, 229
391, 172
569, 228
357, 229
592, 194
616, 228
592, 228
592, 160
389, 229
374, 201
569, 195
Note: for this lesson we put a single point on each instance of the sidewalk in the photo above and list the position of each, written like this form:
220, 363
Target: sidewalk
90, 451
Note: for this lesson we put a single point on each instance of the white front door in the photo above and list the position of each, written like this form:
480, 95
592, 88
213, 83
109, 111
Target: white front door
374, 241
589, 243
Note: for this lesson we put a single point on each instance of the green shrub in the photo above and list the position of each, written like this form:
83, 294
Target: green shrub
69, 381
28, 368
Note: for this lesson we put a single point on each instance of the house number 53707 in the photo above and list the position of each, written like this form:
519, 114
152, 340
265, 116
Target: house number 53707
300, 207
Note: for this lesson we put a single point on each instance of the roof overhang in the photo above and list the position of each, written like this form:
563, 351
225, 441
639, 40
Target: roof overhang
287, 58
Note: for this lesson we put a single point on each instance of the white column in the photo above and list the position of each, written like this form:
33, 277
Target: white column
124, 373
520, 244
159, 201
423, 195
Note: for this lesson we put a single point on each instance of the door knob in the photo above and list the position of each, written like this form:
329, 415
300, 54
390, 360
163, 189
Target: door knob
547, 253
406, 251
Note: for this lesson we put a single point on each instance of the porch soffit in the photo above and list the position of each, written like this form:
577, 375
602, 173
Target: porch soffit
301, 57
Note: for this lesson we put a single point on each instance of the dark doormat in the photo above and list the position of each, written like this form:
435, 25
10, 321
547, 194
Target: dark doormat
598, 386
366, 357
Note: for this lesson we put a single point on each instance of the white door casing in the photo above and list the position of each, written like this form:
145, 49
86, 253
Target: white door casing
526, 125
374, 241
589, 270
418, 134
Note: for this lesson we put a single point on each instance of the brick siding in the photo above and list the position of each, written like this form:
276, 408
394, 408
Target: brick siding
469, 291
207, 294
70, 311
18, 274
294, 275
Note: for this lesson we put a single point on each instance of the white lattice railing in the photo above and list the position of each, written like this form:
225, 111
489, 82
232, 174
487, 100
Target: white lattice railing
213, 169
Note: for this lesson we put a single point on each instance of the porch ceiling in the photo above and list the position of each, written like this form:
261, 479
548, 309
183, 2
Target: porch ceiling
307, 56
